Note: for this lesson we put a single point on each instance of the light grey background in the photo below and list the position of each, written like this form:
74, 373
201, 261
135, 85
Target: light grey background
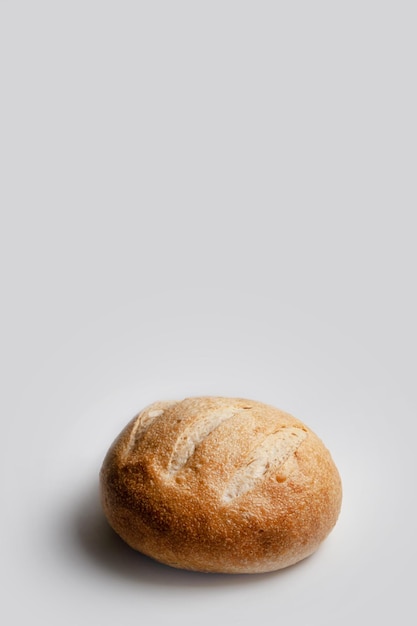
206, 198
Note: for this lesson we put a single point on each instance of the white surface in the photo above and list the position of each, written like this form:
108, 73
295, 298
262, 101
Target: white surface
206, 198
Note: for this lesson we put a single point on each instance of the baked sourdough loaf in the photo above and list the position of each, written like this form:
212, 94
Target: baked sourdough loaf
220, 485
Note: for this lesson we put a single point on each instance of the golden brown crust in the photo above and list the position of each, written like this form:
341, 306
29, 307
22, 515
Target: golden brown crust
220, 485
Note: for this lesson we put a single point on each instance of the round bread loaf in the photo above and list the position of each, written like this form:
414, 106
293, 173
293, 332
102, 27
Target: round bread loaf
220, 485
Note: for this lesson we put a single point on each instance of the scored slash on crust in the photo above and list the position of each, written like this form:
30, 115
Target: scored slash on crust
143, 422
270, 454
195, 434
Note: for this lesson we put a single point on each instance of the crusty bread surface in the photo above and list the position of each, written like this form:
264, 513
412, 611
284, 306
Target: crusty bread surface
219, 484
